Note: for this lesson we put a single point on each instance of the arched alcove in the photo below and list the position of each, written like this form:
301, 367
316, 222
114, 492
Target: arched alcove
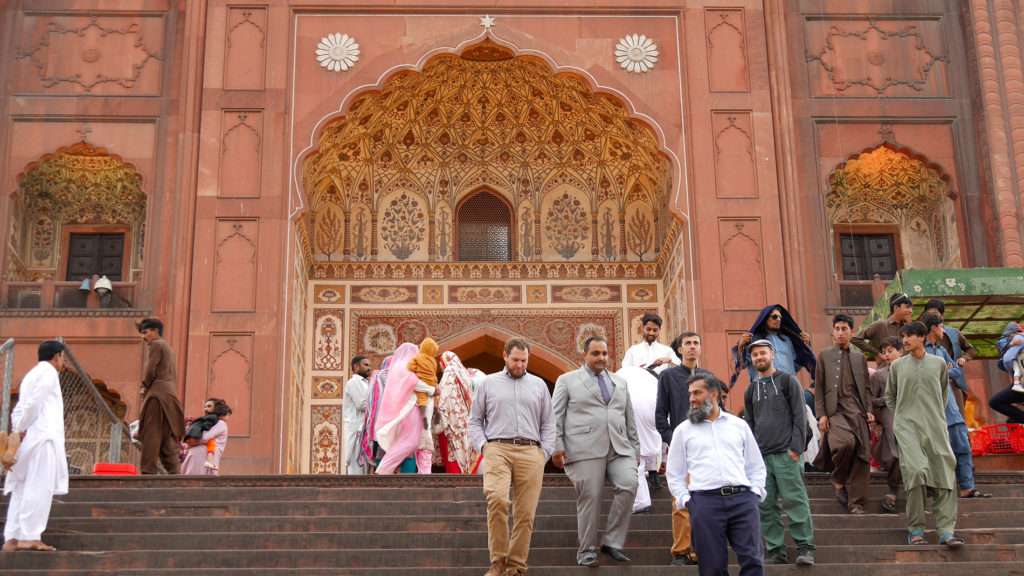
889, 209
78, 212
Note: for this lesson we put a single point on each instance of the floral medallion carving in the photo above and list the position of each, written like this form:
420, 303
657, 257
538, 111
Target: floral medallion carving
383, 295
337, 52
484, 294
327, 388
586, 293
636, 53
329, 294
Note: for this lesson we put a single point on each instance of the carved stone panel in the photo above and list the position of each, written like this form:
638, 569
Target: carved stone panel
325, 439
231, 377
742, 263
484, 295
587, 293
727, 50
327, 339
735, 172
240, 153
873, 57
327, 388
234, 265
245, 51
75, 53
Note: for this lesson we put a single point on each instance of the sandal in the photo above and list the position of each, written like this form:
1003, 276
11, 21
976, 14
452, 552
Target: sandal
916, 537
950, 541
36, 547
975, 493
889, 503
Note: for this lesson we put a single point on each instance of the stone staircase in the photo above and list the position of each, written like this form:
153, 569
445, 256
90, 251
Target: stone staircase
436, 525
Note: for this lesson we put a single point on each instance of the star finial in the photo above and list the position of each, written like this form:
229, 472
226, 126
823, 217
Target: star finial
487, 22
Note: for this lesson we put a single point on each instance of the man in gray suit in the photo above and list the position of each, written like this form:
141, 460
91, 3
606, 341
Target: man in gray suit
596, 439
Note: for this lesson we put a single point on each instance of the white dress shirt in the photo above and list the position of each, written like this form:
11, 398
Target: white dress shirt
643, 354
714, 453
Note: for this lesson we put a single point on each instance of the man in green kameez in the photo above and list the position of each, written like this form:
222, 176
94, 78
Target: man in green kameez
916, 392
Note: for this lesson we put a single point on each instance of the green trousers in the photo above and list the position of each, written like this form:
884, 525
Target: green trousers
943, 508
785, 480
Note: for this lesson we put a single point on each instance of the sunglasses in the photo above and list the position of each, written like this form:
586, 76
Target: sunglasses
776, 317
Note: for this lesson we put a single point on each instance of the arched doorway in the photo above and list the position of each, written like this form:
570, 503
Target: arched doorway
889, 209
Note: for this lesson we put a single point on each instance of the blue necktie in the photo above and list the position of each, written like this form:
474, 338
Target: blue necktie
604, 388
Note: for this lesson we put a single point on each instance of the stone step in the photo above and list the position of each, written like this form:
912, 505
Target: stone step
248, 558
852, 569
105, 523
269, 540
457, 493
411, 508
403, 481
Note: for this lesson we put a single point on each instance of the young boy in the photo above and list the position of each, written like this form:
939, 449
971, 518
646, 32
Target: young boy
884, 451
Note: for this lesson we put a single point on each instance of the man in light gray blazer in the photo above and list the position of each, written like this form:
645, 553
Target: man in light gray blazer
596, 439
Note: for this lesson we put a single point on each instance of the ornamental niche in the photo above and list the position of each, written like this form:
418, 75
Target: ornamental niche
81, 186
583, 180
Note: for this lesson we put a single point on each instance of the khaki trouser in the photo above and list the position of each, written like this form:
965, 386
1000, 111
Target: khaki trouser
522, 469
681, 543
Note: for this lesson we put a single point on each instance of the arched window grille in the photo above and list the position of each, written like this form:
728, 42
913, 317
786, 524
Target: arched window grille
485, 230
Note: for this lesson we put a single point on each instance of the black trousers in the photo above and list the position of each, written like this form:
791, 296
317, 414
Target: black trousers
718, 521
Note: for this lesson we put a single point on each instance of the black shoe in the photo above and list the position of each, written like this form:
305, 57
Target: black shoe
805, 557
683, 560
777, 557
655, 479
646, 510
615, 553
589, 561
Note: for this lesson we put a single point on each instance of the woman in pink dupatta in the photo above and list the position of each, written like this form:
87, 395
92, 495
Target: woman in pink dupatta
366, 431
455, 396
399, 426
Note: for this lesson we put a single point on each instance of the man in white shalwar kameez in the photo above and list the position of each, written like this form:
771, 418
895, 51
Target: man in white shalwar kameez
643, 393
41, 469
353, 411
650, 353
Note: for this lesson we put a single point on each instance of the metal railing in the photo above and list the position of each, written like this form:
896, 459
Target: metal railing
49, 294
861, 293
92, 432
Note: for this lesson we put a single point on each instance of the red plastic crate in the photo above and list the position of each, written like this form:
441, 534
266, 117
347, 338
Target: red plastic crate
1006, 438
110, 469
980, 442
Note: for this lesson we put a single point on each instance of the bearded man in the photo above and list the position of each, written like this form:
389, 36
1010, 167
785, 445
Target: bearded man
715, 470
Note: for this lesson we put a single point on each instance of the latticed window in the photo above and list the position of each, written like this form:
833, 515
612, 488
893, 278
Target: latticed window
484, 225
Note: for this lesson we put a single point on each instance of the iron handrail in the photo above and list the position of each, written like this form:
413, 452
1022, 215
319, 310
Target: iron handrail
115, 422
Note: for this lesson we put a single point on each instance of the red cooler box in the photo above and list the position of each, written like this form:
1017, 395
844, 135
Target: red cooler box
108, 469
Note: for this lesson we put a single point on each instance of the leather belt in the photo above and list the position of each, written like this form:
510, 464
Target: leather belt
517, 441
724, 491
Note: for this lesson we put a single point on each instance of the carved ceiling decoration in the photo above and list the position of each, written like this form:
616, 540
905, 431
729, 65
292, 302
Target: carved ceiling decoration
78, 185
573, 165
